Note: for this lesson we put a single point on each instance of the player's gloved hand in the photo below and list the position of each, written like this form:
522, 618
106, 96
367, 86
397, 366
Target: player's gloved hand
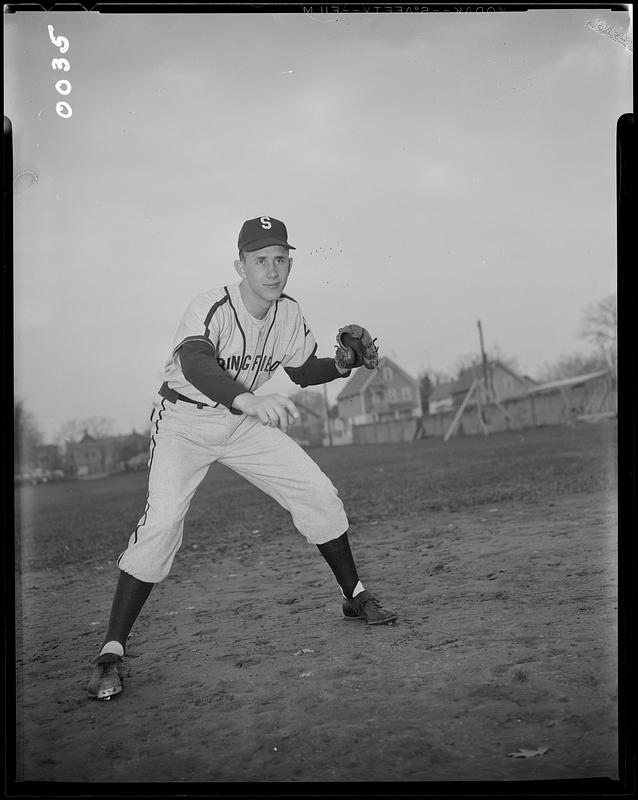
274, 410
356, 348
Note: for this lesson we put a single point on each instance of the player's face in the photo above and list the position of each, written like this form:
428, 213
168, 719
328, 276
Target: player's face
265, 274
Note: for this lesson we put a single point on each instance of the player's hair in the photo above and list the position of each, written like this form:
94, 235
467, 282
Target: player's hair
242, 256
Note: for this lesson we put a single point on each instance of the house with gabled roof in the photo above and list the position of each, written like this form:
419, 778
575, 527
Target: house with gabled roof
91, 456
503, 382
380, 395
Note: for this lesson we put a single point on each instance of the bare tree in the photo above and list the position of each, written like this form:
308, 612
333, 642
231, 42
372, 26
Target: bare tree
436, 375
466, 361
75, 429
496, 354
568, 366
599, 326
27, 437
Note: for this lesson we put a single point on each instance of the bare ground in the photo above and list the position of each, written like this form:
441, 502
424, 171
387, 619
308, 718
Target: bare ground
499, 554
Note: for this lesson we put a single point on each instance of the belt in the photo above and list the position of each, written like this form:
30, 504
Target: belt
172, 396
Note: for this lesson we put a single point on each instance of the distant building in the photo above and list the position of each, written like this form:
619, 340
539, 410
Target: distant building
503, 382
308, 429
372, 396
46, 465
440, 398
48, 457
91, 456
590, 396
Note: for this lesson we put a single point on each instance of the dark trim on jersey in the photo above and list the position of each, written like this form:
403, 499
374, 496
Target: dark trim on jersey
263, 349
287, 297
241, 330
193, 339
142, 522
207, 321
210, 316
212, 311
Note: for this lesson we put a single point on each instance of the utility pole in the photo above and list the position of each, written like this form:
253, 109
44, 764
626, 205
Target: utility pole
486, 380
325, 402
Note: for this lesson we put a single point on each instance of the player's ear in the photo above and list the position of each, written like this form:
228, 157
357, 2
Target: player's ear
289, 265
240, 268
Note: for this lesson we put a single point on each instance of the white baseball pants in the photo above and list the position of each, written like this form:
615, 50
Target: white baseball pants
185, 441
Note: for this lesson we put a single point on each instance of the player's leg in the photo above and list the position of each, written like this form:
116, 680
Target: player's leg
339, 558
130, 595
181, 451
358, 603
276, 464
184, 444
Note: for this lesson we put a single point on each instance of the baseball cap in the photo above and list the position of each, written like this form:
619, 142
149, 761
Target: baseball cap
262, 232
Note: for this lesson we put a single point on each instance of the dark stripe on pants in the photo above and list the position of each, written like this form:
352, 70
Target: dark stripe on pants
150, 464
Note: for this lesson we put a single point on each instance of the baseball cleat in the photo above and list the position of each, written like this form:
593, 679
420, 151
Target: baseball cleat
365, 606
106, 679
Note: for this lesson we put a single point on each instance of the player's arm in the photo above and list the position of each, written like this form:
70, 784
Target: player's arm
201, 369
315, 371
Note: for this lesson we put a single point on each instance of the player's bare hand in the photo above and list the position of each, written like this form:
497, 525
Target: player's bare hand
274, 410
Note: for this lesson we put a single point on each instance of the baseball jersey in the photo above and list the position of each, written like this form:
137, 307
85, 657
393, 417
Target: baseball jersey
249, 350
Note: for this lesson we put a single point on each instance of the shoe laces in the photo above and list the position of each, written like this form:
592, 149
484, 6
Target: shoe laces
372, 600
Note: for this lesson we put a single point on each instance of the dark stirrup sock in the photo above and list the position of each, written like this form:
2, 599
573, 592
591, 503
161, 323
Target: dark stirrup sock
339, 557
130, 596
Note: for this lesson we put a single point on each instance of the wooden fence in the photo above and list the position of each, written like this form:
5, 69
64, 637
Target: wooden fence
395, 430
554, 405
565, 404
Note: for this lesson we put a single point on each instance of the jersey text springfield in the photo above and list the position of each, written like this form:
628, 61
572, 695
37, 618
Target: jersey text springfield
248, 349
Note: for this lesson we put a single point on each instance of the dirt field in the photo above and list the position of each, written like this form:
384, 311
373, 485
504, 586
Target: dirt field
499, 553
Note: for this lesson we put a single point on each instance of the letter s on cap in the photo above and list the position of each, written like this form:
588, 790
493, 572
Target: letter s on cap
266, 224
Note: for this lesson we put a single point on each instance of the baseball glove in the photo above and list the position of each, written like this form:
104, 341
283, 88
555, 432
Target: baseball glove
356, 348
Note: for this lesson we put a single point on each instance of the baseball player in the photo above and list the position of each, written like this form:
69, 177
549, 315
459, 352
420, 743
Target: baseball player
230, 341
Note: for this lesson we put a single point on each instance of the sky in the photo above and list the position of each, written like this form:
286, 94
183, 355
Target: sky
432, 170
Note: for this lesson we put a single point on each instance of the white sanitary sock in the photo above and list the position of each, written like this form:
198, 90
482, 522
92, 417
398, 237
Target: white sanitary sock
112, 647
357, 589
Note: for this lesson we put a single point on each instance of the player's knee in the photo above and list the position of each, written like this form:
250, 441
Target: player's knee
322, 516
326, 495
165, 516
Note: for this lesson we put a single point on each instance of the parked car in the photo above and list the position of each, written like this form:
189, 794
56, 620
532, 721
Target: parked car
38, 475
34, 476
135, 463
